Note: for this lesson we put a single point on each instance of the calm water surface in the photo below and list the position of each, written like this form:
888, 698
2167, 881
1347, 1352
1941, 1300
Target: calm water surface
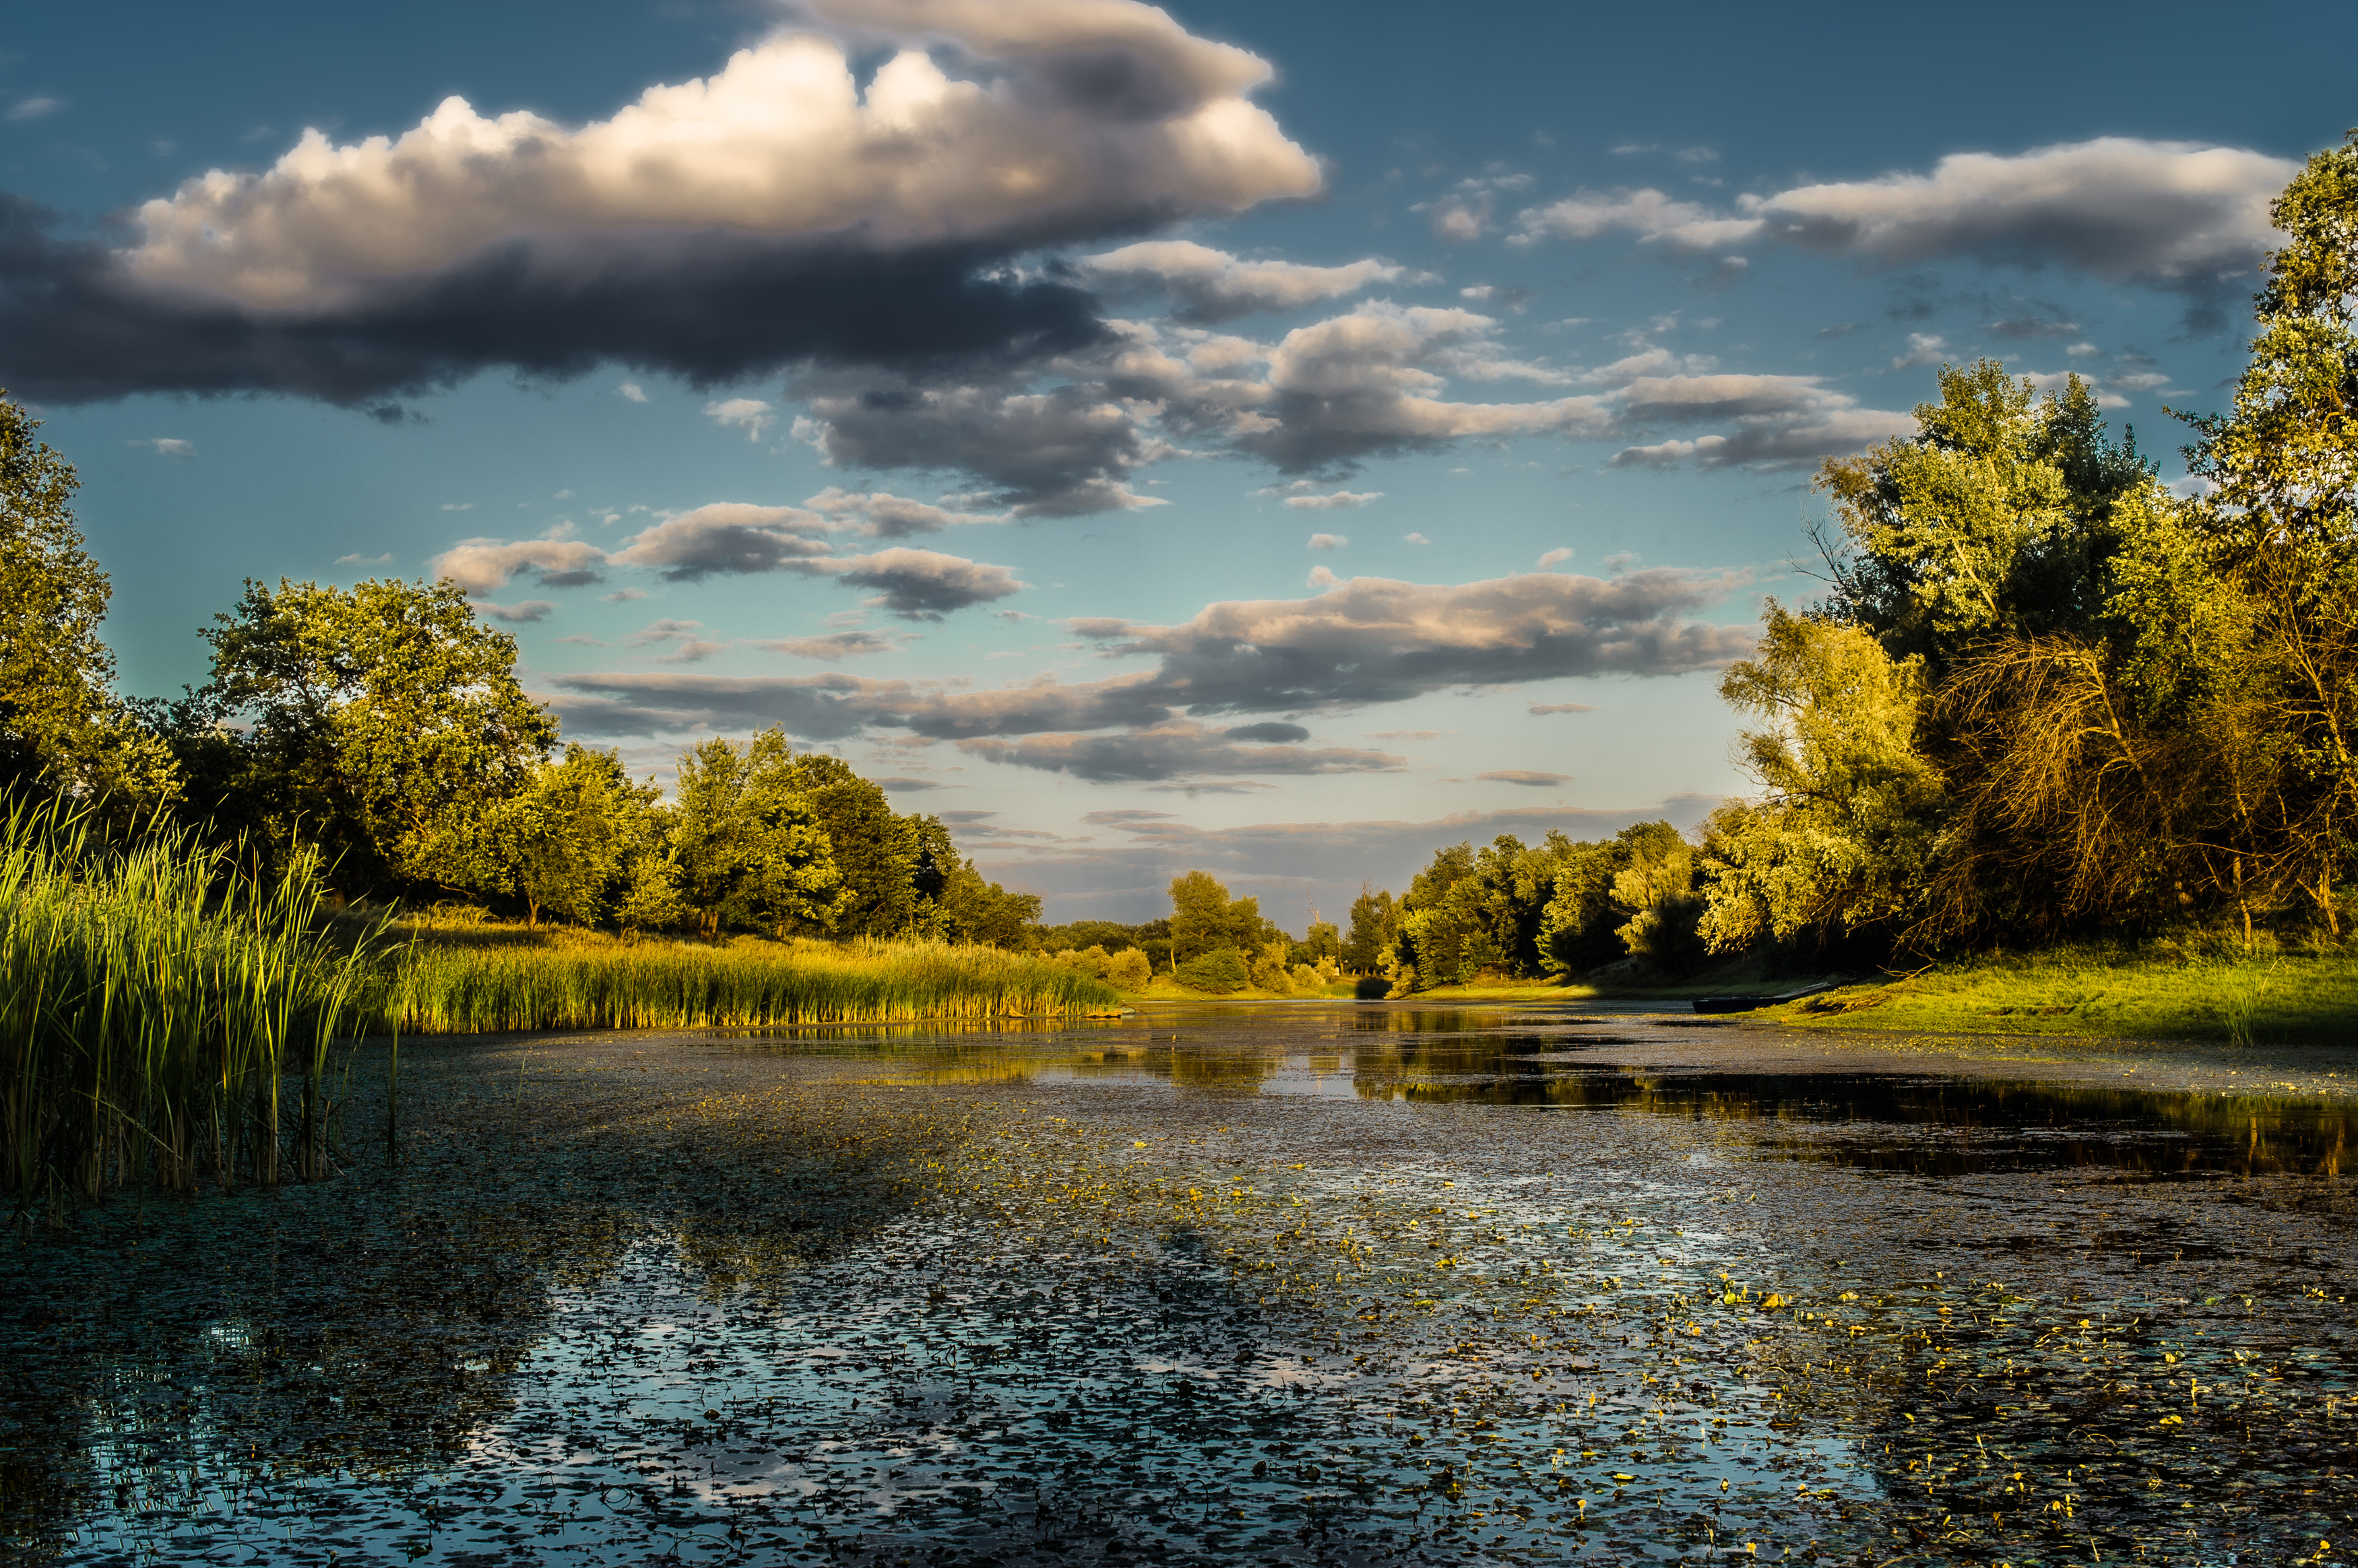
1298, 1283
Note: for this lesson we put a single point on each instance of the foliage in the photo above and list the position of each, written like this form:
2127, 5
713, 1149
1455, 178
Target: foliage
1203, 917
62, 729
573, 840
877, 854
1374, 926
153, 995
749, 844
1219, 971
1843, 833
381, 722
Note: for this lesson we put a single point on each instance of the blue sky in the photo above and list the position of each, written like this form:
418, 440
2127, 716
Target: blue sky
1275, 439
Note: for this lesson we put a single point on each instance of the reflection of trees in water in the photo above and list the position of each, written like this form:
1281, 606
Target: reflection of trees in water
171, 1359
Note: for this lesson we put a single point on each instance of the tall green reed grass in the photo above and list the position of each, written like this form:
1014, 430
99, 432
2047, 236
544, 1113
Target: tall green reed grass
155, 995
438, 990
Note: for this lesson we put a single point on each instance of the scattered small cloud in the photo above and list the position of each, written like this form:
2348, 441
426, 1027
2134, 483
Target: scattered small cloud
1539, 707
33, 109
750, 415
1414, 539
1556, 556
457, 506
830, 647
1406, 734
905, 786
1839, 330
530, 613
624, 595
1328, 541
1224, 786
166, 446
1532, 777
587, 640
1339, 501
383, 560
631, 390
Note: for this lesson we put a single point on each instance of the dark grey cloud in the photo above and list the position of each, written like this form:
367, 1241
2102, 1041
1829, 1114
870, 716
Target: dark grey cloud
1173, 751
1529, 777
921, 585
1371, 639
76, 326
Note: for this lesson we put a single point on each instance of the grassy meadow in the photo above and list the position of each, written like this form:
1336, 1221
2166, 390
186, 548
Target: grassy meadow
579, 980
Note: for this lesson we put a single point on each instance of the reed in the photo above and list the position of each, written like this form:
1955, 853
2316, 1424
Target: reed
155, 997
465, 990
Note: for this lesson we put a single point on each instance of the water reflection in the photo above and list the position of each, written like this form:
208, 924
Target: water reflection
1305, 1283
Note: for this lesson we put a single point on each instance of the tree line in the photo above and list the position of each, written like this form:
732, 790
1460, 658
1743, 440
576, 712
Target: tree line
384, 725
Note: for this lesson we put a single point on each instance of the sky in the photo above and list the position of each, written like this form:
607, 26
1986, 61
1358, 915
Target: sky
1279, 440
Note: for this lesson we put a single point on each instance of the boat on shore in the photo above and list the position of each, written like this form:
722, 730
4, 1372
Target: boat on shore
1753, 1004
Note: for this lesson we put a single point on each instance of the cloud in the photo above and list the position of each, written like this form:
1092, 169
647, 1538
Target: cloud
905, 786
1924, 349
888, 516
1171, 751
830, 648
632, 391
1328, 541
1209, 286
2173, 214
1271, 731
726, 538
485, 566
26, 109
1335, 502
922, 585
664, 631
1779, 421
357, 560
1414, 539
624, 595
1556, 556
1524, 777
795, 205
457, 506
1369, 641
166, 446
1541, 707
750, 415
530, 612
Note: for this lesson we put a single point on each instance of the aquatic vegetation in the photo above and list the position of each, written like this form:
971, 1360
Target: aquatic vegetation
1485, 1290
438, 990
153, 999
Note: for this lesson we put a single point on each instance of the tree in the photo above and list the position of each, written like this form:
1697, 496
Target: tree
1374, 926
749, 844
878, 854
1203, 917
2280, 523
570, 840
61, 728
1996, 519
1846, 829
382, 721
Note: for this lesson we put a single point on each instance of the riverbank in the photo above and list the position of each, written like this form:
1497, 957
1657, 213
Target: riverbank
2159, 993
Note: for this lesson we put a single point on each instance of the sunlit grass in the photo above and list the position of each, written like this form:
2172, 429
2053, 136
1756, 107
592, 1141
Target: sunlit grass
440, 988
2159, 993
153, 998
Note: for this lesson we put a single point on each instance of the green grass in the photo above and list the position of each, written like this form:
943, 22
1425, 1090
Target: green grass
2156, 993
153, 1001
482, 987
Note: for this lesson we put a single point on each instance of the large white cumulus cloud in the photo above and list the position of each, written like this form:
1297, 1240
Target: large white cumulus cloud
782, 141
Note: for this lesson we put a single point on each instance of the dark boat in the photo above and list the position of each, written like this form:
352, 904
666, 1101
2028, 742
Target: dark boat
1748, 1003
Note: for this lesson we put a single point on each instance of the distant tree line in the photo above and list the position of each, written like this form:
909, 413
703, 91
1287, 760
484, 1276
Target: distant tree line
383, 724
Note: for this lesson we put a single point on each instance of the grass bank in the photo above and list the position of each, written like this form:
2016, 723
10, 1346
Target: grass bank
569, 981
2284, 998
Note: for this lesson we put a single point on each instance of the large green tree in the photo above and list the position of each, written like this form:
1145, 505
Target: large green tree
570, 840
877, 853
61, 728
382, 720
750, 846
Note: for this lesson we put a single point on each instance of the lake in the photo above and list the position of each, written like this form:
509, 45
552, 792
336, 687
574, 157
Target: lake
1298, 1282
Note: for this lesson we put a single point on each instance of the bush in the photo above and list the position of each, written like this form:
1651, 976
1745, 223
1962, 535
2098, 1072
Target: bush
1219, 971
1306, 978
1129, 970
